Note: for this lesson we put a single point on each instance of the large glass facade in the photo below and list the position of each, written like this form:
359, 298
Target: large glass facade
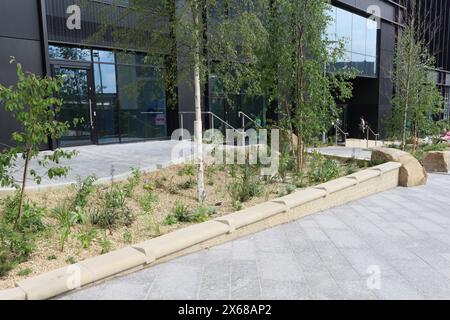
128, 100
359, 35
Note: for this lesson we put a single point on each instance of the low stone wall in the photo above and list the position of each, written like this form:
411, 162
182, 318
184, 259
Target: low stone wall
199, 236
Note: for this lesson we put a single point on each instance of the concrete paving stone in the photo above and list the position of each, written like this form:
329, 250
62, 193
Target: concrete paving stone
345, 239
285, 290
397, 289
244, 249
245, 283
327, 221
362, 260
279, 266
215, 282
272, 240
323, 286
356, 290
315, 234
177, 282
309, 260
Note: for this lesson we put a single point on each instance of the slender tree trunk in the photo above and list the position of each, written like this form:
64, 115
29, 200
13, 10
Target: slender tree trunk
22, 191
198, 108
415, 140
405, 122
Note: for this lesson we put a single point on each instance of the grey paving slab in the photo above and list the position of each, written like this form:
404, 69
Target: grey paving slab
111, 160
373, 248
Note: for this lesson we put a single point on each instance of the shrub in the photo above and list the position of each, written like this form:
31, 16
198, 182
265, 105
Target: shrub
187, 170
84, 189
323, 169
182, 214
148, 201
86, 237
246, 186
114, 211
188, 184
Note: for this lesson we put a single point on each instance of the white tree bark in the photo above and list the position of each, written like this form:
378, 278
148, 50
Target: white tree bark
198, 107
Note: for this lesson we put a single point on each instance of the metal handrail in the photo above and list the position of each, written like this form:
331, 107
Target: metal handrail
377, 135
338, 129
213, 116
244, 115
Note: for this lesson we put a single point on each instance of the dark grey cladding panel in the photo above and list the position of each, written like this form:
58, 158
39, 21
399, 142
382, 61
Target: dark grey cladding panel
387, 10
20, 19
28, 53
93, 15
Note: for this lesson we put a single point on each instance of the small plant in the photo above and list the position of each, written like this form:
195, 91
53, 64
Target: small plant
105, 244
288, 189
51, 257
170, 220
71, 260
24, 272
188, 184
148, 202
202, 214
127, 237
187, 170
237, 205
114, 212
86, 237
246, 186
132, 182
181, 212
84, 189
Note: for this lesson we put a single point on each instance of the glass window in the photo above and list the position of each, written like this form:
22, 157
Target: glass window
371, 39
106, 103
344, 27
142, 103
359, 34
103, 56
69, 53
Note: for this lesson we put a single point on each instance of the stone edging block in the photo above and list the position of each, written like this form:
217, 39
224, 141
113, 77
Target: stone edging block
301, 197
181, 239
251, 215
114, 262
13, 294
55, 282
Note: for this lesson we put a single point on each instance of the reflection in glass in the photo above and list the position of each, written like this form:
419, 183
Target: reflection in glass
69, 53
360, 36
142, 103
344, 27
106, 103
75, 96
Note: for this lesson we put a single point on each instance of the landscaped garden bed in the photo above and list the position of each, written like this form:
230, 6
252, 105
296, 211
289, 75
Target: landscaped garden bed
64, 226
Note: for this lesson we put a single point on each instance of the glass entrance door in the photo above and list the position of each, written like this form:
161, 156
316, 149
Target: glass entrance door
77, 97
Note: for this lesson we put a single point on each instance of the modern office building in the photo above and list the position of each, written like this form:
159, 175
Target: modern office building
122, 99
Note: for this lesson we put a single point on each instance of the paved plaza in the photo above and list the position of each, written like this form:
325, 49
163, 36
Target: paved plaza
393, 245
111, 160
